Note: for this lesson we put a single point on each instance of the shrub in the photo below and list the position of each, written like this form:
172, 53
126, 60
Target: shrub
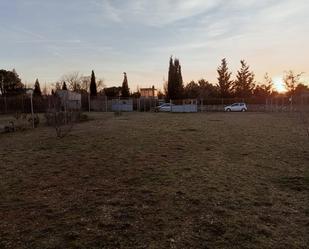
63, 122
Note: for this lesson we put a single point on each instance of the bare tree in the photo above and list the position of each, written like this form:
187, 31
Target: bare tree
291, 80
100, 84
85, 83
74, 80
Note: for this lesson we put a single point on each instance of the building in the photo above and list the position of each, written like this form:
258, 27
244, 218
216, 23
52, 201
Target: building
149, 92
70, 100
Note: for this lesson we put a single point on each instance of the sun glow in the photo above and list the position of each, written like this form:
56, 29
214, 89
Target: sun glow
279, 85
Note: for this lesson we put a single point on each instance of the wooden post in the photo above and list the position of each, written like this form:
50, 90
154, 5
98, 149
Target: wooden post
32, 112
89, 102
5, 105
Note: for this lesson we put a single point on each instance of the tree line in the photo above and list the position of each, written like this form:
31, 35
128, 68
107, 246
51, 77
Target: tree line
243, 86
11, 85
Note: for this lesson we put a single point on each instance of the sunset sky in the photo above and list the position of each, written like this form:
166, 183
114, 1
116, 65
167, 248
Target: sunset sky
46, 39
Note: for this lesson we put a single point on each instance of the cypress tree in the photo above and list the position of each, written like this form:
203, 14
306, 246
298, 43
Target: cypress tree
175, 83
64, 86
93, 85
224, 79
171, 80
37, 89
125, 91
244, 84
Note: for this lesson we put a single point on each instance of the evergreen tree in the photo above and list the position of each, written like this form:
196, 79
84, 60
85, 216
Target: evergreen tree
175, 88
64, 86
244, 84
192, 90
37, 89
112, 91
207, 89
125, 91
10, 83
224, 80
93, 85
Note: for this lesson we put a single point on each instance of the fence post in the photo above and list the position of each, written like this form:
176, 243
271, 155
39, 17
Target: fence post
291, 100
171, 105
106, 103
144, 104
5, 105
32, 112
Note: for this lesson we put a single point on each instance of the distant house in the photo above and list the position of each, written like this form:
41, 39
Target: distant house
70, 100
149, 92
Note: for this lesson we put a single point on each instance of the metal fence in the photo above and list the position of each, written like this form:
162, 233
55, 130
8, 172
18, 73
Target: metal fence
22, 104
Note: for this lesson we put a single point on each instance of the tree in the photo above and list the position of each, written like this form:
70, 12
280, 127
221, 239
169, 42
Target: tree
93, 85
125, 91
37, 88
207, 89
192, 90
64, 86
244, 84
85, 82
112, 92
175, 87
45, 91
10, 83
58, 86
161, 95
300, 89
224, 79
266, 89
74, 81
100, 84
291, 80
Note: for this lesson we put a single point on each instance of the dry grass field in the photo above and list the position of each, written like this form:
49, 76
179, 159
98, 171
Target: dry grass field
147, 180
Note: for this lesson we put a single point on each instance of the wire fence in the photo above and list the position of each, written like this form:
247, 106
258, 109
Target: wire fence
22, 104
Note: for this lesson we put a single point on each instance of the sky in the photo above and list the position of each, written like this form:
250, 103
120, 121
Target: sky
47, 39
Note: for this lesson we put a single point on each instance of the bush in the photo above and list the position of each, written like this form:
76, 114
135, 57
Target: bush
63, 122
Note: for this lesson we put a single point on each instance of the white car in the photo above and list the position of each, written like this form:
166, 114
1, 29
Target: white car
236, 107
166, 107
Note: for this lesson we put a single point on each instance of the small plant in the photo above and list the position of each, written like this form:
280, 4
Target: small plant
36, 121
10, 127
21, 121
63, 122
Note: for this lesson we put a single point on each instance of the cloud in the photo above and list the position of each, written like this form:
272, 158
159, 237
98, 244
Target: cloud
155, 13
140, 35
49, 41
